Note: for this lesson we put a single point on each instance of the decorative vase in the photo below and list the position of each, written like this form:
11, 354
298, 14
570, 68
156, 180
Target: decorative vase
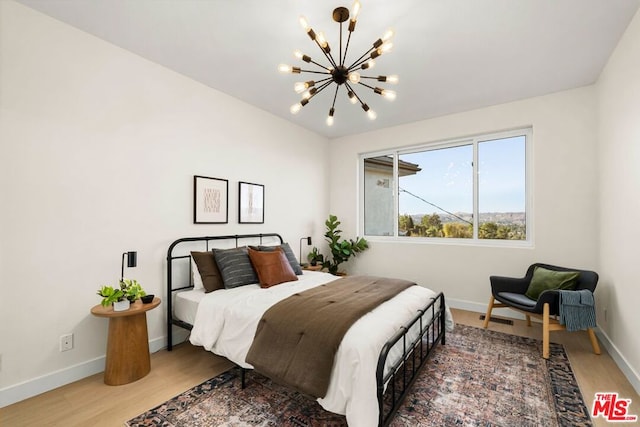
121, 305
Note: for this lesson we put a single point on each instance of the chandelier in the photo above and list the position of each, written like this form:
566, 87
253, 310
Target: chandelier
337, 71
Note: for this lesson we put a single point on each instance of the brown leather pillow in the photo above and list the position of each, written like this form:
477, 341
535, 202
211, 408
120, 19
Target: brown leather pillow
272, 267
206, 263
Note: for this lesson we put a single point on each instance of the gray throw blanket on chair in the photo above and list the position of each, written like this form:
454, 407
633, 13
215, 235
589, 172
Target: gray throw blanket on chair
577, 309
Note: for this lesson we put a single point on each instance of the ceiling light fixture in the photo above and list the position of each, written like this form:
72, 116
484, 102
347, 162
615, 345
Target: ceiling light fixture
337, 72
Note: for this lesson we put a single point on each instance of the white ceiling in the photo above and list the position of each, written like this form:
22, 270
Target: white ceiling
451, 55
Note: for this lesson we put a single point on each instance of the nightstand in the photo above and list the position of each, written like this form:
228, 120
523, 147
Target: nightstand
128, 357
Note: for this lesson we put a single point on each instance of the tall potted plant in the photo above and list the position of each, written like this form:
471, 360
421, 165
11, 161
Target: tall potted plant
341, 249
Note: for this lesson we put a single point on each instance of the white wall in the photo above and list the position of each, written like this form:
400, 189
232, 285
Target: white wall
564, 196
97, 156
618, 91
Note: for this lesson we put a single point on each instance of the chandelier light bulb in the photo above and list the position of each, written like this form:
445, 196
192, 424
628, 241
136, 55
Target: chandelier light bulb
330, 117
322, 41
387, 35
295, 108
371, 114
355, 10
386, 47
308, 94
393, 79
300, 87
352, 97
388, 94
304, 23
354, 77
284, 68
298, 54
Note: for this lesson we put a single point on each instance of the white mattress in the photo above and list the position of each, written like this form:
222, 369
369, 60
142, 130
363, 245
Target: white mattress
185, 304
226, 321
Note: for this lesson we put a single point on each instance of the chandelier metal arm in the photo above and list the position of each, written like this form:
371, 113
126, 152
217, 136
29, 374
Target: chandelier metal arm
318, 64
327, 54
354, 93
335, 95
316, 72
320, 89
358, 62
346, 48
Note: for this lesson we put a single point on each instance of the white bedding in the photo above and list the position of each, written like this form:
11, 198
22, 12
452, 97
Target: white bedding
226, 321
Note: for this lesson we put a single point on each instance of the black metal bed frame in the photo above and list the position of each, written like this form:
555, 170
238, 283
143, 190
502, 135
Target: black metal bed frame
393, 386
170, 258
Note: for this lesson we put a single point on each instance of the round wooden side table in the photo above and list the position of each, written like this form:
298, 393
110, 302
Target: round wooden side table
128, 357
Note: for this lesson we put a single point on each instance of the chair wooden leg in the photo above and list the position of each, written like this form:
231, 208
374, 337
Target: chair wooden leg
488, 315
545, 331
528, 320
594, 341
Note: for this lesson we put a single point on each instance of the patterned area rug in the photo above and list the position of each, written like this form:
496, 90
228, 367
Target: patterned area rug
479, 378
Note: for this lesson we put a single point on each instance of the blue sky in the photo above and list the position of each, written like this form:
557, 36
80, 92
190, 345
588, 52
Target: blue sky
446, 178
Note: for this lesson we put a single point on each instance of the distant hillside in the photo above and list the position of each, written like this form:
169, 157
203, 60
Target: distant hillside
497, 217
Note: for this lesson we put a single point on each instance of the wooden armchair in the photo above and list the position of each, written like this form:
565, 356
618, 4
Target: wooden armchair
510, 293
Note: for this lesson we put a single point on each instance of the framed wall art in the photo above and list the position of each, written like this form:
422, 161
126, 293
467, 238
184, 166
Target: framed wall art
210, 200
250, 203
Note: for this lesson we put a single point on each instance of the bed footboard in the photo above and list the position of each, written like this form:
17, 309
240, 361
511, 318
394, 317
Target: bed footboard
430, 325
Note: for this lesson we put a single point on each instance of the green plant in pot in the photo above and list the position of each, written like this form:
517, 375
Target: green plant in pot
121, 297
315, 257
341, 249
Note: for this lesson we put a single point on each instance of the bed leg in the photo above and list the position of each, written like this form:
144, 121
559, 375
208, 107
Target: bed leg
242, 377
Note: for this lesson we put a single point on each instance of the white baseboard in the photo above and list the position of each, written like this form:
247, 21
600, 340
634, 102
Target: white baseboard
39, 385
482, 308
623, 364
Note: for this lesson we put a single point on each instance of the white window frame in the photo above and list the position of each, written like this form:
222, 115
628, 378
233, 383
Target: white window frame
472, 140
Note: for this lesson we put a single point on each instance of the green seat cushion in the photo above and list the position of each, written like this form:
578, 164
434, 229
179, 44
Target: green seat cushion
544, 279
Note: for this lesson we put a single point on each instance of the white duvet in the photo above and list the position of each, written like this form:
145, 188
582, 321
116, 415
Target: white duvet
226, 322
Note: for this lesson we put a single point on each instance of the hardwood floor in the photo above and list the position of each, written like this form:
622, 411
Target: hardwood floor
89, 402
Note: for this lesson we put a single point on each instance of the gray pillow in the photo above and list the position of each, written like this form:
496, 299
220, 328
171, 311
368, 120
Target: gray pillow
291, 257
235, 267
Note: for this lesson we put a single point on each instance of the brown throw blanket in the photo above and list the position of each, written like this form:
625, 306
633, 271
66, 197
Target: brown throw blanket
297, 338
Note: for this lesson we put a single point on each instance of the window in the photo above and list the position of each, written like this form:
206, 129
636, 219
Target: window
473, 189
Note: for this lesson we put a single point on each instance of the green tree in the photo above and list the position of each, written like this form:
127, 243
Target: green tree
432, 225
405, 223
488, 230
457, 229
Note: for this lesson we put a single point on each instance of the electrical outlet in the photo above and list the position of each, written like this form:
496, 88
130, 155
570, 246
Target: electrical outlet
66, 342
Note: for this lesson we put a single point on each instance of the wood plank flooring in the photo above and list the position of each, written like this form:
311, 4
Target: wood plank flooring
89, 402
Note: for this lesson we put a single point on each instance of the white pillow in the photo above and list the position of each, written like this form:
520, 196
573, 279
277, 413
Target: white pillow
195, 274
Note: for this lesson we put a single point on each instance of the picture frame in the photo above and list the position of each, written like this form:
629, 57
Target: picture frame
210, 200
250, 203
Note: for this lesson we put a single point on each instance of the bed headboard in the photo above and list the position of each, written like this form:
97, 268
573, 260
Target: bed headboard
179, 264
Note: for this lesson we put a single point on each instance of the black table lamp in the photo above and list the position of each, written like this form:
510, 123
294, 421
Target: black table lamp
132, 261
308, 239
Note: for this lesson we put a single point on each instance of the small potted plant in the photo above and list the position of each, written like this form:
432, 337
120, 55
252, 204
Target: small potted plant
122, 297
315, 257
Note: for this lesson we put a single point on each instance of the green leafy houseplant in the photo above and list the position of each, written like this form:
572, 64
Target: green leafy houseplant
341, 250
129, 289
315, 257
